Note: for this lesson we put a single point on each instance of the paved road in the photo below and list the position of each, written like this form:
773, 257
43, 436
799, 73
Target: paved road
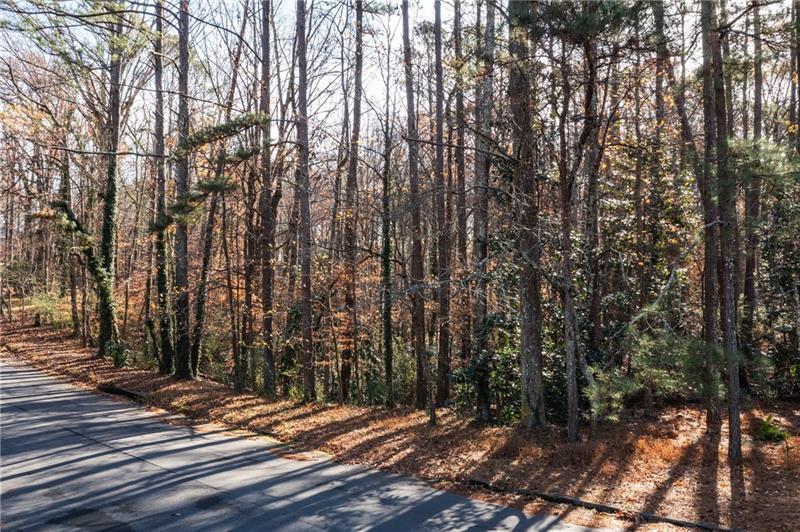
75, 460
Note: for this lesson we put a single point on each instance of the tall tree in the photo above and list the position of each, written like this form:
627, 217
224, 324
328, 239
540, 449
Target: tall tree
416, 279
710, 215
166, 357
267, 205
706, 184
443, 238
108, 242
183, 362
386, 237
198, 330
753, 193
483, 131
302, 191
527, 207
567, 183
351, 212
461, 170
726, 198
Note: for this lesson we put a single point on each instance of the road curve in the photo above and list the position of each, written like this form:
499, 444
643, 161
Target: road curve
71, 459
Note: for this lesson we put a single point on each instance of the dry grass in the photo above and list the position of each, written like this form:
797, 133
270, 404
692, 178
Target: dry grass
665, 465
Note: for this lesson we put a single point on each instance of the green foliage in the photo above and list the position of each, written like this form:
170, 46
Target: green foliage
45, 304
218, 132
187, 204
404, 372
582, 21
240, 155
118, 351
769, 429
609, 392
504, 383
503, 367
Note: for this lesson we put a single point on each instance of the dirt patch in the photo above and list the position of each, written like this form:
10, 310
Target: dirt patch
664, 466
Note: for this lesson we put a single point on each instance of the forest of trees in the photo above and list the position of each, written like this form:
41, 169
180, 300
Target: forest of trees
533, 212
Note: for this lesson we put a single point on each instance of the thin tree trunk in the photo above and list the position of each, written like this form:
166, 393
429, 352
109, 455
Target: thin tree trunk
416, 278
350, 341
108, 243
183, 361
267, 206
483, 117
164, 352
70, 264
753, 197
727, 207
461, 205
386, 240
309, 382
566, 187
443, 240
239, 369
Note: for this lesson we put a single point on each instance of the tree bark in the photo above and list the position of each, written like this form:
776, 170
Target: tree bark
386, 240
443, 237
183, 361
349, 352
309, 381
753, 196
527, 201
710, 218
461, 204
483, 110
267, 206
726, 198
567, 183
108, 242
416, 278
165, 351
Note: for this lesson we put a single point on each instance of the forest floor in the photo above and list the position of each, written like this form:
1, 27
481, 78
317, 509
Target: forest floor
664, 465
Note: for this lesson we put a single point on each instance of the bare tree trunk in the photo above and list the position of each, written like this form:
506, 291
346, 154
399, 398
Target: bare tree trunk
164, 351
267, 206
183, 362
309, 382
527, 201
753, 197
443, 241
727, 207
710, 215
70, 264
108, 242
386, 239
416, 278
205, 265
483, 110
567, 183
461, 204
349, 351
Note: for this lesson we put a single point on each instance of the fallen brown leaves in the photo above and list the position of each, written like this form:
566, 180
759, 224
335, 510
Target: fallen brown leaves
664, 466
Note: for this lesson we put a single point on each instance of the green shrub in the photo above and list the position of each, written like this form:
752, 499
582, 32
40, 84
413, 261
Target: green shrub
118, 352
45, 304
768, 429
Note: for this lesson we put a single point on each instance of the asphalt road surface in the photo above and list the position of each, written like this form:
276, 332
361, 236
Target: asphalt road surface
74, 460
